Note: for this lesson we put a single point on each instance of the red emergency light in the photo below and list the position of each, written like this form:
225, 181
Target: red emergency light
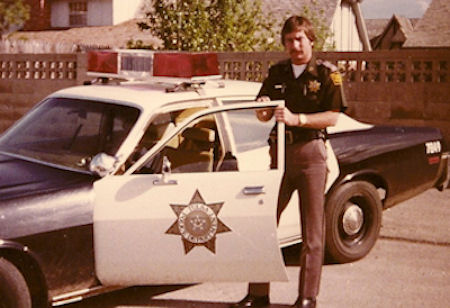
103, 62
132, 64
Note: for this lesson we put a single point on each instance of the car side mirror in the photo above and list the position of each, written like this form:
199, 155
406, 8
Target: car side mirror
166, 170
103, 164
166, 166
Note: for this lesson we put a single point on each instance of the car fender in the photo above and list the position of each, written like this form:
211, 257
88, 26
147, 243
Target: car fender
371, 176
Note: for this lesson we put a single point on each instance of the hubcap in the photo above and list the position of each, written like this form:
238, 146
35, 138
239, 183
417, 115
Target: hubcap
353, 219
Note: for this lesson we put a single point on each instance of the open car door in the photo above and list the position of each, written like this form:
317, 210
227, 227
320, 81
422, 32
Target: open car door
194, 220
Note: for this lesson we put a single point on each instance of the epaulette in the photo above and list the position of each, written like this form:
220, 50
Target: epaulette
335, 76
327, 64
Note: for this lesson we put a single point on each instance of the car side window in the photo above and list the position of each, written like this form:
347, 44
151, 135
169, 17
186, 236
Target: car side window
250, 139
196, 148
209, 144
161, 125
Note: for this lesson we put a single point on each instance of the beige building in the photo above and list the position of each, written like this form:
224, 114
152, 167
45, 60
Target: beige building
342, 16
70, 13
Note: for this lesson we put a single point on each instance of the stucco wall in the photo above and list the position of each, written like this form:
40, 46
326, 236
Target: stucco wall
100, 13
125, 10
60, 14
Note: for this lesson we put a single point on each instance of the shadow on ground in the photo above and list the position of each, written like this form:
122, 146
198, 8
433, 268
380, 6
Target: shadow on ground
142, 297
136, 297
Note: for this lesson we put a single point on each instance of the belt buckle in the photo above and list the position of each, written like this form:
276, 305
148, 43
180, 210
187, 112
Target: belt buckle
289, 137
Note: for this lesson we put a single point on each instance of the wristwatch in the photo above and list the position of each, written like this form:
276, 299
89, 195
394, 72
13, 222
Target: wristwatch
302, 119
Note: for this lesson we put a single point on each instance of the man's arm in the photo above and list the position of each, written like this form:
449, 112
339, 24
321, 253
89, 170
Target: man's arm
319, 120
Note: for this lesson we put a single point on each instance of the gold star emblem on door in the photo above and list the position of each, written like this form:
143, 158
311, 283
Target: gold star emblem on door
197, 223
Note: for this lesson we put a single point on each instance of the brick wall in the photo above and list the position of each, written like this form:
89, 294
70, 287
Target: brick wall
405, 87
410, 87
25, 79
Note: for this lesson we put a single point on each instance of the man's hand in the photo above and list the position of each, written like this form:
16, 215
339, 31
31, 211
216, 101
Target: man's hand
282, 114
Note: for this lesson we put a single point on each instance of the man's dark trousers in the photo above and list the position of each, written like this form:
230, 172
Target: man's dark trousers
306, 172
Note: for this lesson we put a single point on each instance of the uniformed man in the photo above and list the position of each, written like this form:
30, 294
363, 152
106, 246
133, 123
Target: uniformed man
312, 90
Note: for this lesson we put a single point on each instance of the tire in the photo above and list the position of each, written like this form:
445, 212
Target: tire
352, 220
14, 291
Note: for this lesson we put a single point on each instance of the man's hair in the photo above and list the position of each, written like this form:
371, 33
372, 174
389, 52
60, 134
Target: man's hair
298, 23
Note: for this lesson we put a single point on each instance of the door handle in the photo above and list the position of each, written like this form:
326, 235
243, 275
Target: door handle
165, 181
254, 190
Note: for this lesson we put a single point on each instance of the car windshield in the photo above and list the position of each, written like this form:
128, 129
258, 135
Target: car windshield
69, 132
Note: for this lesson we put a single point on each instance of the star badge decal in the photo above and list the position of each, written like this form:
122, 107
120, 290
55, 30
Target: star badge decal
197, 223
314, 86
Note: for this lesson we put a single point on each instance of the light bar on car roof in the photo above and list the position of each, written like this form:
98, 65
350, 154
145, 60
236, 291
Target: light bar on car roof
143, 65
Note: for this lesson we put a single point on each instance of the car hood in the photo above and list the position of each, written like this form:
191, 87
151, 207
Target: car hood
19, 178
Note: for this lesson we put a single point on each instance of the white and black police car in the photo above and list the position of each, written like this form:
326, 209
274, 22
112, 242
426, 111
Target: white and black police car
142, 178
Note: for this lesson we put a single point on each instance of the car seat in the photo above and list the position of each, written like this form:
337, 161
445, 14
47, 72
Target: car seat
196, 151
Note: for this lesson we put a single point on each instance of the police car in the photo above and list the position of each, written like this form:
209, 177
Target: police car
157, 172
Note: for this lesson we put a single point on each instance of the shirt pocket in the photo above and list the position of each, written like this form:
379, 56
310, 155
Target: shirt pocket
277, 91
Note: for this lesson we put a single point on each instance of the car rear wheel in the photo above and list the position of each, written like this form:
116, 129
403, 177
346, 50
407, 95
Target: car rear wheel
353, 219
14, 291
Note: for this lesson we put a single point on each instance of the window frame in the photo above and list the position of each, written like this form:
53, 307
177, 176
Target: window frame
78, 10
143, 160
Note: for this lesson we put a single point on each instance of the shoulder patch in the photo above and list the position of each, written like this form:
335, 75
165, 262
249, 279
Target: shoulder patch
336, 77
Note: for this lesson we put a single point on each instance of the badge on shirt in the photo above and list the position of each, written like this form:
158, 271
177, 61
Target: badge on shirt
336, 78
314, 86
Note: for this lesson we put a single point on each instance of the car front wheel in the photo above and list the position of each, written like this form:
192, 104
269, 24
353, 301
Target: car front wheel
353, 219
14, 291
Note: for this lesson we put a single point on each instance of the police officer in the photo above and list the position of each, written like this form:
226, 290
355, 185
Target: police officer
312, 90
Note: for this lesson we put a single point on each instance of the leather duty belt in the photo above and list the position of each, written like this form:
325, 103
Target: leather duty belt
303, 136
